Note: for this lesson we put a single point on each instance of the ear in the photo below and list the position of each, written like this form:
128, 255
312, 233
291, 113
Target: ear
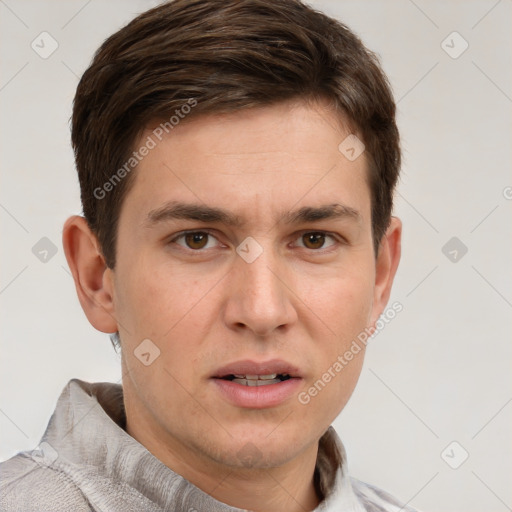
386, 265
93, 279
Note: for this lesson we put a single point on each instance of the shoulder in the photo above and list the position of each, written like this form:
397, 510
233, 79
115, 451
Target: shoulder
377, 500
28, 486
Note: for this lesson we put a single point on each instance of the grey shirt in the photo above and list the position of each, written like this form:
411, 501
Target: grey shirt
87, 462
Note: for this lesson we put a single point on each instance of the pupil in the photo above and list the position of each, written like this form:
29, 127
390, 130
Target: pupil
314, 240
196, 240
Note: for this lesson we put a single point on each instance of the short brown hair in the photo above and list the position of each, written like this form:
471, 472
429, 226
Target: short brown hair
224, 55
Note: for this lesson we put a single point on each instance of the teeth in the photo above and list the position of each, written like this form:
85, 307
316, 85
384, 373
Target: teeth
256, 382
270, 376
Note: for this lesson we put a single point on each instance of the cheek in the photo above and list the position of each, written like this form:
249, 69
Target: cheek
172, 311
155, 299
329, 389
341, 386
341, 301
340, 310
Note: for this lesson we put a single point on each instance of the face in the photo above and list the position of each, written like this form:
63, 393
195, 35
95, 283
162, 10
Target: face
245, 256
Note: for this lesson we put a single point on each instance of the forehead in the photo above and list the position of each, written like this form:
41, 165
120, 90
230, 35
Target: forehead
289, 128
268, 159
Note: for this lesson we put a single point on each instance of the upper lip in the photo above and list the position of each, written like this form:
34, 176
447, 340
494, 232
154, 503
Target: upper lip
248, 367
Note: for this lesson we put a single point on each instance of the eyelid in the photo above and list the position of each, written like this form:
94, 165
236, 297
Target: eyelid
338, 239
185, 232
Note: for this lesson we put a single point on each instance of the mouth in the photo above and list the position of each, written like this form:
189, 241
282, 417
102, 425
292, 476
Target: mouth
258, 385
252, 373
257, 380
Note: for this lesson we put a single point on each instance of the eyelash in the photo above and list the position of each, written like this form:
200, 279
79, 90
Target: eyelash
338, 240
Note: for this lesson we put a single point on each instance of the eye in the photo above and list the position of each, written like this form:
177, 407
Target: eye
196, 240
316, 240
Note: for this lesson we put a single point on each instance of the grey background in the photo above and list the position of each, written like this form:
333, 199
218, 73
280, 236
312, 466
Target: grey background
438, 373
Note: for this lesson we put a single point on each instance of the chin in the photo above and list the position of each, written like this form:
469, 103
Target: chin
261, 450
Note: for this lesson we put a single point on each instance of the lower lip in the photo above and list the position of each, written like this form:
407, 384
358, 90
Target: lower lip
258, 397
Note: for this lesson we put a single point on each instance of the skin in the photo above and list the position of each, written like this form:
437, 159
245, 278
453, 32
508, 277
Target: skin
203, 308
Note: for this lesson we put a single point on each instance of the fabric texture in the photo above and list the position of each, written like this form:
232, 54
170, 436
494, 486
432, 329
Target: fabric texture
87, 462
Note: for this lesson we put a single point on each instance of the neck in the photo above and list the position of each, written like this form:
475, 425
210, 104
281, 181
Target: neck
283, 488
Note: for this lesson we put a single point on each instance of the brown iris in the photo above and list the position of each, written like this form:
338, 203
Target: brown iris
196, 240
313, 240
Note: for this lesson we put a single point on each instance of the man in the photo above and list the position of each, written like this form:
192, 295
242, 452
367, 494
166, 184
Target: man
237, 161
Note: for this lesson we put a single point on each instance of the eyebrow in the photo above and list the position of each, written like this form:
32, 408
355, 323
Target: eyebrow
189, 211
199, 212
315, 214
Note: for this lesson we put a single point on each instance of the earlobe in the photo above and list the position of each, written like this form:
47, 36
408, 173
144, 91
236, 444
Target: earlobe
386, 266
90, 273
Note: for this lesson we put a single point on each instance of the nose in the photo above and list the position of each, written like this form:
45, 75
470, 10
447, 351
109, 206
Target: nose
258, 297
